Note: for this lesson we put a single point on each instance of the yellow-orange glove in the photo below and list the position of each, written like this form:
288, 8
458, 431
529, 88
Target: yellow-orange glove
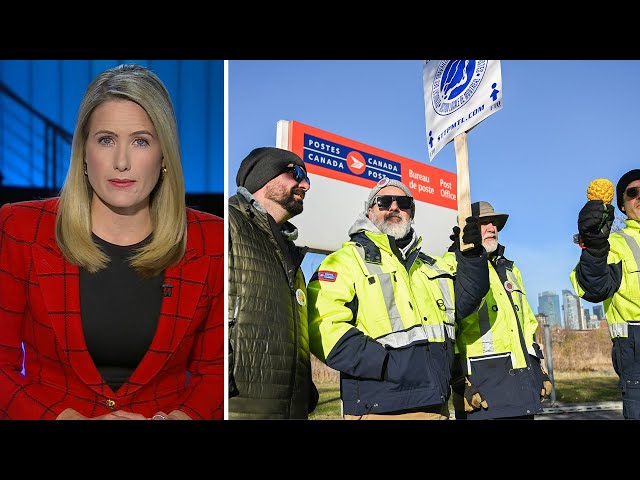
546, 386
472, 397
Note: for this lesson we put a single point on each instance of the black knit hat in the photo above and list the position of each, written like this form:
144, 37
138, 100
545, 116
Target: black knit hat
624, 181
264, 163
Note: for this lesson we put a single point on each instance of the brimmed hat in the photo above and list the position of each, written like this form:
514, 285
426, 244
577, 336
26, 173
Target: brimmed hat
623, 183
485, 210
388, 182
264, 163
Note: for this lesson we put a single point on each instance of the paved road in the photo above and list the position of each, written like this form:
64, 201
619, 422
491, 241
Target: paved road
582, 411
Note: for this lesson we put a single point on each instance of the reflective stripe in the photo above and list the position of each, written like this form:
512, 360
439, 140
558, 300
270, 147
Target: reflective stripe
399, 337
390, 302
447, 298
451, 331
513, 279
618, 330
635, 250
485, 329
622, 329
435, 331
387, 291
372, 268
415, 333
487, 357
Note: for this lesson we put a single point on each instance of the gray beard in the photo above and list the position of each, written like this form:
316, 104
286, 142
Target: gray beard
490, 245
395, 230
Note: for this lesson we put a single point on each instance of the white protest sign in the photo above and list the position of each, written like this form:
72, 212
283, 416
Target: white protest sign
458, 95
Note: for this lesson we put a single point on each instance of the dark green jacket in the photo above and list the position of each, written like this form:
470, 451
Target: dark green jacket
269, 358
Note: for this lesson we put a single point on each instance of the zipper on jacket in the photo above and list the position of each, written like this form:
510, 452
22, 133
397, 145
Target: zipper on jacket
231, 334
236, 307
296, 334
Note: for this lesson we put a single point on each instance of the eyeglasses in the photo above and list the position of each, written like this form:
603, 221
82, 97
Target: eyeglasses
384, 201
632, 192
299, 174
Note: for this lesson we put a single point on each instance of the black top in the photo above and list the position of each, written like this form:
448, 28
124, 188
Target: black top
120, 312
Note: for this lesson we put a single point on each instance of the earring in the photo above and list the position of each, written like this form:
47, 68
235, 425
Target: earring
85, 167
164, 171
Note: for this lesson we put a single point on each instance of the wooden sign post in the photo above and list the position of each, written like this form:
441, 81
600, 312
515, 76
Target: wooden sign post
463, 190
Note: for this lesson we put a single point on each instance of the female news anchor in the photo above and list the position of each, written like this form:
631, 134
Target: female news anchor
115, 288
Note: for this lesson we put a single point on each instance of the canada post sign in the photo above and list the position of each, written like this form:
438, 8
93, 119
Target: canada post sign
341, 158
342, 173
345, 160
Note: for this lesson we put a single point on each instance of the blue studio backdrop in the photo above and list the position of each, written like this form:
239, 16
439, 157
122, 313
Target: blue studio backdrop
39, 101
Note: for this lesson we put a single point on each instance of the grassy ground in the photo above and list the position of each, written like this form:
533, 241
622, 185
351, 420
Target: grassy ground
570, 388
586, 387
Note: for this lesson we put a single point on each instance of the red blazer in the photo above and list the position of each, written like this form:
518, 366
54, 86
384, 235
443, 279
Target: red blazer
40, 306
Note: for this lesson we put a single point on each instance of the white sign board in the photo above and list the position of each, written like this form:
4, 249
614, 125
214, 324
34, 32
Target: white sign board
458, 94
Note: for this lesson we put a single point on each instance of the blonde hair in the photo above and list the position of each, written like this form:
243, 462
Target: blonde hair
167, 200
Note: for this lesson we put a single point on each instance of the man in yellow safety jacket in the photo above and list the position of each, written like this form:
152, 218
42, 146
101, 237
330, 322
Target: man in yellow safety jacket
382, 312
498, 372
609, 271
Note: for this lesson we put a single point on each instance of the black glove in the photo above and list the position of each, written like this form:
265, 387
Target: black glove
546, 386
470, 235
455, 238
594, 225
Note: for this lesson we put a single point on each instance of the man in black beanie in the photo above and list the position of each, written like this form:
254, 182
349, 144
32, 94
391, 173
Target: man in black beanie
624, 182
608, 272
269, 358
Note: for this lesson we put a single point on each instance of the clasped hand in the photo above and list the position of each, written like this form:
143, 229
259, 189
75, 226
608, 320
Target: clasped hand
470, 236
71, 414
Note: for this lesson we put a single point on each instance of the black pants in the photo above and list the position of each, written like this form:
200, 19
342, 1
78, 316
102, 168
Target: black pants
521, 417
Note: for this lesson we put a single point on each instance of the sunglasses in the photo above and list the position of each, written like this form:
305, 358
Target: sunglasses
298, 173
385, 201
632, 192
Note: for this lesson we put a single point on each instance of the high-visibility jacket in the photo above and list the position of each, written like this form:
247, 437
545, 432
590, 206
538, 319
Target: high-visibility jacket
496, 349
615, 281
372, 316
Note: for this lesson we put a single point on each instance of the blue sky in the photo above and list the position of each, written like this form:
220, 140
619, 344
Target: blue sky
563, 124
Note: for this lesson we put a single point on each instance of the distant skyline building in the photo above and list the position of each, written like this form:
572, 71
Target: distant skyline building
549, 304
598, 311
574, 317
593, 322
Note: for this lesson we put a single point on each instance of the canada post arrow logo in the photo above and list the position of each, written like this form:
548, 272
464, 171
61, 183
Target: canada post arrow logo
356, 162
